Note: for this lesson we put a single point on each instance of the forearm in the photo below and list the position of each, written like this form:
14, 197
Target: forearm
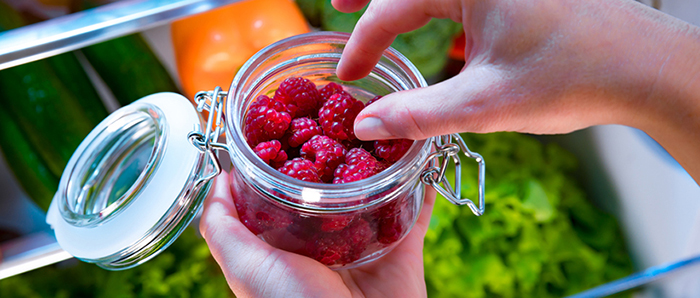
675, 101
664, 65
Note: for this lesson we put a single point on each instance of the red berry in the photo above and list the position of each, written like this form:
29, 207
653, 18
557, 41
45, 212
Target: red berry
326, 153
390, 230
328, 250
271, 153
371, 101
267, 119
341, 247
337, 116
392, 150
261, 217
335, 223
359, 164
301, 169
301, 130
300, 96
390, 227
330, 89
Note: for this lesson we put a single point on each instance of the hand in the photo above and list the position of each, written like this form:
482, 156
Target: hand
255, 269
540, 66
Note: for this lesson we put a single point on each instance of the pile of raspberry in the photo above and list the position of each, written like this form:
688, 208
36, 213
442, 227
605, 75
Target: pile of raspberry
307, 133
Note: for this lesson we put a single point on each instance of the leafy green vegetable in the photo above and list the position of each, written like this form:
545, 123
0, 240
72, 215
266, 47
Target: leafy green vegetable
539, 236
426, 47
185, 269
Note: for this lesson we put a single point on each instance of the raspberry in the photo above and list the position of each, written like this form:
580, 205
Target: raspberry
335, 223
330, 89
359, 164
389, 222
326, 153
300, 96
270, 152
301, 130
392, 150
301, 169
390, 230
267, 119
371, 101
343, 247
259, 218
337, 116
328, 250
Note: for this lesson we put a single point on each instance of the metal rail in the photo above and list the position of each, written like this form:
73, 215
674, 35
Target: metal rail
74, 31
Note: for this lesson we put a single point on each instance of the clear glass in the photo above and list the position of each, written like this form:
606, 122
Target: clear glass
114, 167
340, 225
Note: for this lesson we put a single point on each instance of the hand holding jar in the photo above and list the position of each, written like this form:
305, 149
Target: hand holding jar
532, 66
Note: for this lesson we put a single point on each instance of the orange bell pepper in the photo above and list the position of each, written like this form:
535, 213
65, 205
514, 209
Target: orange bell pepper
210, 47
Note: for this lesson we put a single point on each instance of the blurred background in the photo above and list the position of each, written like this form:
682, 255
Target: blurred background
564, 213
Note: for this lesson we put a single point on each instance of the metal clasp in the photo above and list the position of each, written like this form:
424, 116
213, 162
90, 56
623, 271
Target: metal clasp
206, 140
434, 175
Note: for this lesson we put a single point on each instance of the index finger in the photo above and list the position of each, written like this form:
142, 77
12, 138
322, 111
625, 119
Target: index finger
379, 26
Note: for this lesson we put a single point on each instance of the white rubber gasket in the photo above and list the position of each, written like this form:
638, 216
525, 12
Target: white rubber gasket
156, 196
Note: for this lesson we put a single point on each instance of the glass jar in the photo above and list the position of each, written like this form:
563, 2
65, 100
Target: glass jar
141, 175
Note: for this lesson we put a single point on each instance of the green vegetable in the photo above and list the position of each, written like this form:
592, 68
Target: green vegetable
129, 68
185, 269
539, 236
52, 106
127, 65
32, 171
426, 47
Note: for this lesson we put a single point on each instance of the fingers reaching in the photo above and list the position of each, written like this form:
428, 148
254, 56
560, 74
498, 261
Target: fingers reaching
348, 6
467, 102
378, 27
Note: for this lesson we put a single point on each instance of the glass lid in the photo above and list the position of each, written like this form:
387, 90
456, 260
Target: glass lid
134, 183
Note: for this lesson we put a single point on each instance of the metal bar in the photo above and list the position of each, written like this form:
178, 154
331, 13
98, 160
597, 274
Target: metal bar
637, 279
74, 31
30, 252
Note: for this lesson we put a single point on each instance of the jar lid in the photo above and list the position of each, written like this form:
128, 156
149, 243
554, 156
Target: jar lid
132, 185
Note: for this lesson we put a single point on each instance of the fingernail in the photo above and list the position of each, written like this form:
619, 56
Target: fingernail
371, 128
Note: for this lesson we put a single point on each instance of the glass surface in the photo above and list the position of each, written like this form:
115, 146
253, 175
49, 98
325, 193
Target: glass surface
117, 163
340, 225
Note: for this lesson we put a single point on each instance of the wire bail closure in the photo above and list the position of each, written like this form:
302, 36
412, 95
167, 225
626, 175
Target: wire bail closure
205, 139
434, 175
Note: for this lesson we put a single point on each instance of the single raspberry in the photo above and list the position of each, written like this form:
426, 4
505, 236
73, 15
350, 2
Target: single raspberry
392, 150
326, 153
262, 217
337, 116
267, 119
359, 234
301, 130
328, 250
335, 222
304, 227
300, 96
301, 169
388, 217
390, 230
341, 247
371, 101
359, 164
330, 89
271, 153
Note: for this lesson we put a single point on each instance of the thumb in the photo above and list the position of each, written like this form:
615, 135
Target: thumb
459, 104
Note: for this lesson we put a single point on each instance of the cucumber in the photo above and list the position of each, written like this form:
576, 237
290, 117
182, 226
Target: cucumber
34, 176
129, 68
48, 107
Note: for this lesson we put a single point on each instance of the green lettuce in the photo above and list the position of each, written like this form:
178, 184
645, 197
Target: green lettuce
539, 236
185, 269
